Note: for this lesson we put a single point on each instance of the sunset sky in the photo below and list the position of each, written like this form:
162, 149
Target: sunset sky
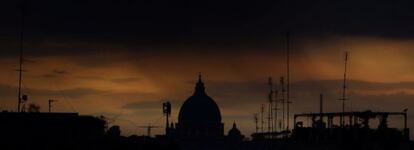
122, 59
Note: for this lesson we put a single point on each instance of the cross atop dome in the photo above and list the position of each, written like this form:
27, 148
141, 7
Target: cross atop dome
199, 77
199, 89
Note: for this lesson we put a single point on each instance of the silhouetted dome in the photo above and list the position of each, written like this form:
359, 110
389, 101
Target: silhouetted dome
199, 108
234, 131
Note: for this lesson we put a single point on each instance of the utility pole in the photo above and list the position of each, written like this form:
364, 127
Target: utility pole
51, 101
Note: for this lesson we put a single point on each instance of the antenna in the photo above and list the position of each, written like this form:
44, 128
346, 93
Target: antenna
282, 83
261, 117
20, 70
270, 100
276, 109
321, 105
166, 109
149, 127
256, 122
288, 102
343, 99
51, 101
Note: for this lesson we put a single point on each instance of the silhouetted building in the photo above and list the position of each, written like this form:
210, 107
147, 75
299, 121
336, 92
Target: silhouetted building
234, 138
49, 131
199, 116
114, 132
199, 122
234, 135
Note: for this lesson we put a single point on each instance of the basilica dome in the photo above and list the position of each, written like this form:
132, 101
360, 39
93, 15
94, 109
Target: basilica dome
199, 108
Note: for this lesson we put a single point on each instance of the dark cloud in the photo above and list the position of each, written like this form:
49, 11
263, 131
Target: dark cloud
55, 73
95, 31
214, 23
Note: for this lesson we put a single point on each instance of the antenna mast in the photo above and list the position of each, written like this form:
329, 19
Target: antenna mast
256, 122
270, 100
149, 127
20, 70
166, 108
288, 102
276, 109
282, 83
321, 106
344, 90
261, 117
